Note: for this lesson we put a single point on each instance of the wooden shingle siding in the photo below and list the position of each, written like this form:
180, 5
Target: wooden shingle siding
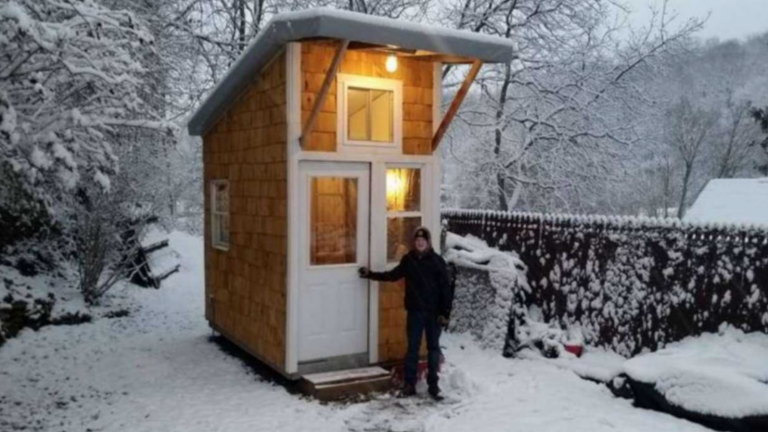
248, 282
392, 342
416, 75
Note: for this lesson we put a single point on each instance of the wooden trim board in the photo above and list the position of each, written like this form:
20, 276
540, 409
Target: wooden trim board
329, 76
456, 103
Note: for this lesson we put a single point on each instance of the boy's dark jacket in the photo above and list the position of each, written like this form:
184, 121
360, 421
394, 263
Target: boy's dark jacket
426, 282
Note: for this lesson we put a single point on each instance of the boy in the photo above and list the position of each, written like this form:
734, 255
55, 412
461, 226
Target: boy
427, 302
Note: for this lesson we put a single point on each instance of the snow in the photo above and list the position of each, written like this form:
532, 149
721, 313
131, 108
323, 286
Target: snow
163, 261
722, 374
157, 370
506, 269
103, 180
595, 364
732, 201
393, 25
39, 159
69, 301
358, 374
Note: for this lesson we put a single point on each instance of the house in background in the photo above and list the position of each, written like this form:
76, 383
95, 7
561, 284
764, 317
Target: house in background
732, 201
320, 156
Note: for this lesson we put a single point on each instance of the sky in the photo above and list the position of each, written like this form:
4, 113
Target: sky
730, 19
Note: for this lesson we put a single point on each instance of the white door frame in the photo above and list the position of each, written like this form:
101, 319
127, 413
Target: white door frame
308, 273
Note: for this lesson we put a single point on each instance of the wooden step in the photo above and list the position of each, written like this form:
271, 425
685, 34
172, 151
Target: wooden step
328, 386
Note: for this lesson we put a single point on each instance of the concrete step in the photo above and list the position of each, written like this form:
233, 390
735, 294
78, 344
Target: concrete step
328, 386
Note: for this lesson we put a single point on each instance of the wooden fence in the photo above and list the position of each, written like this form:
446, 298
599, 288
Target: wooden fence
633, 283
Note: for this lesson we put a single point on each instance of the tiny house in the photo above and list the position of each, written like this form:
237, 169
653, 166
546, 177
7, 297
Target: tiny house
320, 156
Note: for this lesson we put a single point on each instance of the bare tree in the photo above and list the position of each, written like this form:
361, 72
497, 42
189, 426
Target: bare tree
733, 150
761, 117
686, 130
552, 125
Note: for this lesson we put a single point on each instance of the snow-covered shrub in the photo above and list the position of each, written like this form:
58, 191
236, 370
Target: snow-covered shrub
72, 80
632, 284
83, 141
490, 290
39, 300
106, 234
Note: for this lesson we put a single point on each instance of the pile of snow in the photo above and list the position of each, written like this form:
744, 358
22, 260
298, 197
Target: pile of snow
723, 375
484, 302
732, 201
595, 364
547, 338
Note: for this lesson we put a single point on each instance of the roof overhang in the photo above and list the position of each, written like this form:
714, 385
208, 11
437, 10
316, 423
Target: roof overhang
447, 45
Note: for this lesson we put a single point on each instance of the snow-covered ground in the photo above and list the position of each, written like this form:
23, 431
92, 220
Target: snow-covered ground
724, 374
156, 370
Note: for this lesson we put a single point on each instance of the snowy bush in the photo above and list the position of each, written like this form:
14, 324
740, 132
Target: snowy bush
632, 284
71, 78
490, 290
83, 139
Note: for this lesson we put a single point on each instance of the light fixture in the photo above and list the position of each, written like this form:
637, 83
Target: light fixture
391, 63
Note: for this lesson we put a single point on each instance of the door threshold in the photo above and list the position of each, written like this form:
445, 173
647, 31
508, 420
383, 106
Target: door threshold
331, 364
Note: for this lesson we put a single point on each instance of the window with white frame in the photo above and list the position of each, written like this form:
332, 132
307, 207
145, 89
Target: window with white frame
220, 213
404, 209
370, 111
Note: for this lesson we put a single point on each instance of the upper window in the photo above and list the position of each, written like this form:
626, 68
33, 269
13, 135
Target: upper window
220, 213
370, 113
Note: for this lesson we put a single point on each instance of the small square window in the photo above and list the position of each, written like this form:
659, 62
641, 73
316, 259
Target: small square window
220, 213
370, 115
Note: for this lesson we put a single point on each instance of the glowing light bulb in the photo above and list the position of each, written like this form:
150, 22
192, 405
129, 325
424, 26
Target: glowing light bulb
391, 63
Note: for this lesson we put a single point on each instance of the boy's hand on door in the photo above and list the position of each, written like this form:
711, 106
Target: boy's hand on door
364, 272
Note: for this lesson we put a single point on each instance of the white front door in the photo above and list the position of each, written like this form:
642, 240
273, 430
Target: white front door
333, 300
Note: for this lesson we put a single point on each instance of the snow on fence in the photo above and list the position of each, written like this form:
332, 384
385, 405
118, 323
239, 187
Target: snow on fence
632, 283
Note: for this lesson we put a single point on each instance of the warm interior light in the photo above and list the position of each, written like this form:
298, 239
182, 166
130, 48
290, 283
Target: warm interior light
395, 189
391, 63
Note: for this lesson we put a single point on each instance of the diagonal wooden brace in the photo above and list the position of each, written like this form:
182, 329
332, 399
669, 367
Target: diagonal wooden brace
329, 76
456, 103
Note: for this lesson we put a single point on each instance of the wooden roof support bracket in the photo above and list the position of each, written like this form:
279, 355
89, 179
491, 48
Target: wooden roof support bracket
455, 104
329, 76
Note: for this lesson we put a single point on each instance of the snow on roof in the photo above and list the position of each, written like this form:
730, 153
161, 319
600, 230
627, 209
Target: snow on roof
352, 26
734, 201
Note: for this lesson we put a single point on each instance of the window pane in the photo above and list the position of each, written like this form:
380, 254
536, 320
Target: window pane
333, 220
224, 229
370, 115
221, 196
357, 114
399, 236
403, 189
381, 115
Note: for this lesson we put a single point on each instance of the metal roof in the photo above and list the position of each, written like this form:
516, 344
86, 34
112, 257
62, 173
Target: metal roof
338, 24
